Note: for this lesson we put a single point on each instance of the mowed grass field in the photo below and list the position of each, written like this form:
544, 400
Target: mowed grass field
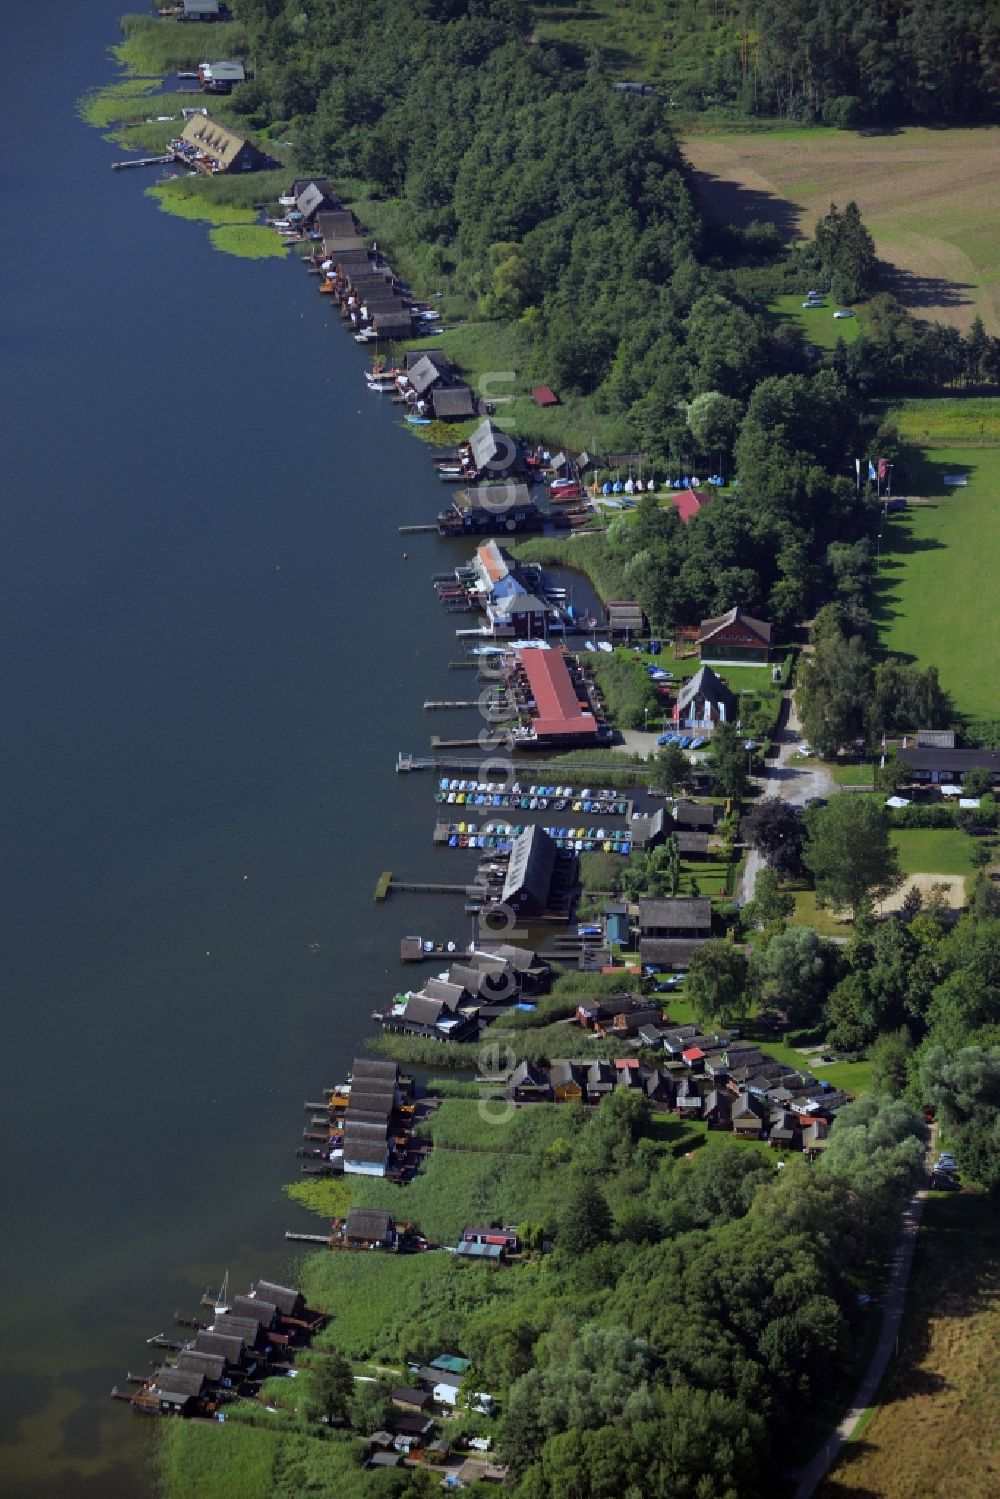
934, 1430
817, 325
925, 194
934, 850
939, 575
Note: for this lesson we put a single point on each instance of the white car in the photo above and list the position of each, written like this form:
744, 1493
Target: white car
843, 312
813, 302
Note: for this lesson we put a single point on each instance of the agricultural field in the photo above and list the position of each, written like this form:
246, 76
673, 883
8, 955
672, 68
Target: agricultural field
939, 568
948, 421
922, 193
933, 1430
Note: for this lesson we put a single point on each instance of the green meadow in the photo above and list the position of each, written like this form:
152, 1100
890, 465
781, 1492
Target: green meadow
940, 567
817, 325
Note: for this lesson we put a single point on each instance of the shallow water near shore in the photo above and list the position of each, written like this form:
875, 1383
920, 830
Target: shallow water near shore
213, 649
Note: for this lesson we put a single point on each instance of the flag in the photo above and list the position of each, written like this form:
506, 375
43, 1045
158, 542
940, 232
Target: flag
676, 715
871, 470
883, 468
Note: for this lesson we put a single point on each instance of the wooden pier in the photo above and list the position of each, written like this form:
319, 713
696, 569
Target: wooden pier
626, 774
384, 883
415, 530
308, 1238
452, 703
423, 887
144, 161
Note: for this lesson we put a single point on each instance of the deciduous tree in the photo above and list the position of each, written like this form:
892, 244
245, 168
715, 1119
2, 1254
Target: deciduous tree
849, 852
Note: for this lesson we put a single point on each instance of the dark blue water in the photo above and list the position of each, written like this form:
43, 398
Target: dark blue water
210, 650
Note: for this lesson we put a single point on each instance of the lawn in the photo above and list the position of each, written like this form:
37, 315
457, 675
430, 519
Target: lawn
934, 1429
826, 922
921, 192
816, 324
679, 1137
940, 561
934, 850
848, 772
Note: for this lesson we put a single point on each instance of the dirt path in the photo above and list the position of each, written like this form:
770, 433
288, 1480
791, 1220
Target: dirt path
811, 1476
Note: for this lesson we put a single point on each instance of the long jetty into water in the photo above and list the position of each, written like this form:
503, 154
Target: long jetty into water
387, 883
627, 775
142, 161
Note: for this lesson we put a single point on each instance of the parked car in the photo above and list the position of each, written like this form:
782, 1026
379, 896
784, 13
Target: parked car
843, 312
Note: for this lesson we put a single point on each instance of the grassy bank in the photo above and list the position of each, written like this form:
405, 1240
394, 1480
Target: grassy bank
152, 45
139, 115
541, 1044
200, 1460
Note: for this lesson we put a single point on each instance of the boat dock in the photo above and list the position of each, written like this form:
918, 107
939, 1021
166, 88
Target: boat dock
627, 775
463, 703
146, 161
423, 887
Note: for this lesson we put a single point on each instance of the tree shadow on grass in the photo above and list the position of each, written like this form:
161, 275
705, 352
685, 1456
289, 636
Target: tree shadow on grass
729, 202
925, 478
898, 543
915, 291
836, 1486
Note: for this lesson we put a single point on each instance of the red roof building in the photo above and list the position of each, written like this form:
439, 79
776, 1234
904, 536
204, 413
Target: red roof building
559, 713
544, 395
686, 503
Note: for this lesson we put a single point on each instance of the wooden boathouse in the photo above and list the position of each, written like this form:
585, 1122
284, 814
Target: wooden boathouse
206, 146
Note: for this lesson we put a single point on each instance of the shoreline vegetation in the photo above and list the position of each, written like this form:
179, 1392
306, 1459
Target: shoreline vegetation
660, 1328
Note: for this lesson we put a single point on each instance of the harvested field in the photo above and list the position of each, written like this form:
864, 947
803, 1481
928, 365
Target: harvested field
924, 194
934, 1429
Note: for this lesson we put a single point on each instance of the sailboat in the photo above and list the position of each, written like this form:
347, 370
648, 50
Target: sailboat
220, 1303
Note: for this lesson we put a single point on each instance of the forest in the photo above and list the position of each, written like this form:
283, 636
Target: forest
835, 62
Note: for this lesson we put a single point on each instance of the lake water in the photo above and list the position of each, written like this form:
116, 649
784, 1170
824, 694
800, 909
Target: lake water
211, 650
